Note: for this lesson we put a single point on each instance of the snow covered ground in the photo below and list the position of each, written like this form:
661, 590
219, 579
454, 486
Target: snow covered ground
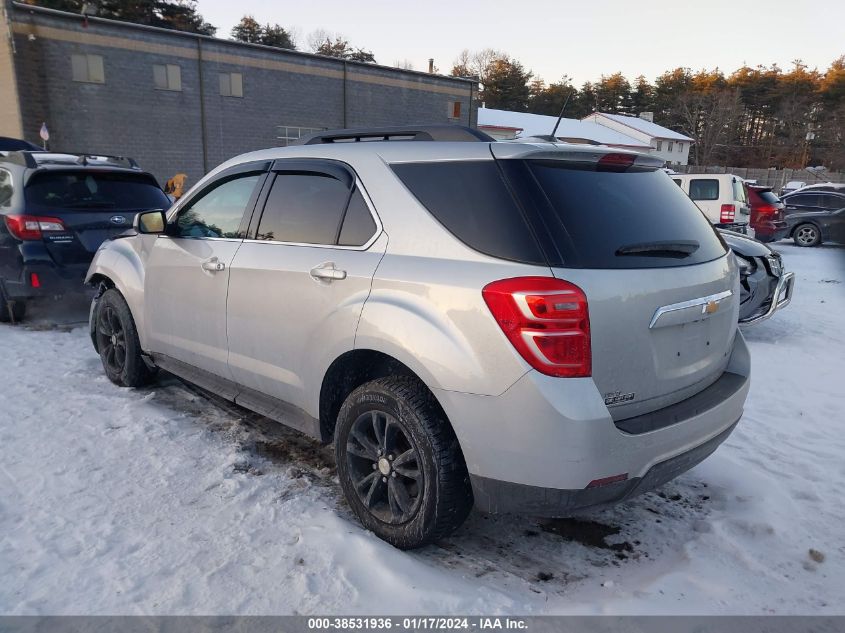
158, 501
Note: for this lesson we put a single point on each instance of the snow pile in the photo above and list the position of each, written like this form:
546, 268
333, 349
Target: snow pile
158, 501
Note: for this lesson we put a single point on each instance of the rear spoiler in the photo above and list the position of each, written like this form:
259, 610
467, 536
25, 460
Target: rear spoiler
33, 159
584, 154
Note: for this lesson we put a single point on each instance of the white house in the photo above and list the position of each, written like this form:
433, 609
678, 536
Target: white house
669, 145
506, 125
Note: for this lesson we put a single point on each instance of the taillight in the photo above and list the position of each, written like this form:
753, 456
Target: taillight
767, 208
547, 322
30, 227
728, 213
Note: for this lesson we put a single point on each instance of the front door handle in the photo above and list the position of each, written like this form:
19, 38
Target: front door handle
327, 272
213, 265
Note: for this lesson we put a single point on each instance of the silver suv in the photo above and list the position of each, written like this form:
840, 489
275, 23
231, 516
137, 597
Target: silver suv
527, 327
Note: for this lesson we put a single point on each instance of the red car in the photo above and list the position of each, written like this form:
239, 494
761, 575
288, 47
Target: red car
767, 215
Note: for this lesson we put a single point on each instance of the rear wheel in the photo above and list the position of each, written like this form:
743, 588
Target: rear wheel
10, 310
807, 235
399, 463
117, 342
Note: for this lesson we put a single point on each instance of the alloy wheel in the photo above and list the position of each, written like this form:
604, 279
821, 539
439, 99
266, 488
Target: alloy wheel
111, 339
807, 235
385, 467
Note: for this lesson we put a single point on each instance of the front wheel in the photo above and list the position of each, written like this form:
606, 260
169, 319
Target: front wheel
807, 235
399, 463
117, 342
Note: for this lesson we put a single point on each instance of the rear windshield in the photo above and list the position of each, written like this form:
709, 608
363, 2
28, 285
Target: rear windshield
632, 219
768, 196
86, 190
704, 189
548, 212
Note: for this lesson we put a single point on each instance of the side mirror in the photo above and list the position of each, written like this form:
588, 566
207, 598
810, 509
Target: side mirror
150, 222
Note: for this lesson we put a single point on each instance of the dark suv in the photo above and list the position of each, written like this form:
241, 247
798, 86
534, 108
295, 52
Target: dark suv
55, 211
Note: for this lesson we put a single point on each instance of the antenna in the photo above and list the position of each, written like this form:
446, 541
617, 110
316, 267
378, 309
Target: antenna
560, 116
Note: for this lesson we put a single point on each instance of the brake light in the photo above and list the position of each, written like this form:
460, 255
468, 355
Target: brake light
615, 162
34, 280
728, 213
547, 322
30, 227
767, 208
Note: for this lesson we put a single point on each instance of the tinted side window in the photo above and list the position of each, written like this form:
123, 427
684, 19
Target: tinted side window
218, 212
304, 208
833, 202
358, 224
5, 188
471, 200
803, 200
704, 189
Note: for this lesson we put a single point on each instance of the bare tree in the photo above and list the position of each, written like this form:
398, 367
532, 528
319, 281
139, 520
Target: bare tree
476, 64
318, 37
708, 116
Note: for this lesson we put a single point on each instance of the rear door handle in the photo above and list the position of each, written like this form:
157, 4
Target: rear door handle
213, 265
327, 272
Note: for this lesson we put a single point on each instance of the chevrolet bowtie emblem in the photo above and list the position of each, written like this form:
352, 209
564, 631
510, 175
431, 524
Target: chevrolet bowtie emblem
711, 307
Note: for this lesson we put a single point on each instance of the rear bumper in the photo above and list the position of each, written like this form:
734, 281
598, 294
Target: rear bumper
504, 497
49, 280
538, 447
743, 228
771, 230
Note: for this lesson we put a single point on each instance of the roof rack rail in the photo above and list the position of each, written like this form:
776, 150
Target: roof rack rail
410, 133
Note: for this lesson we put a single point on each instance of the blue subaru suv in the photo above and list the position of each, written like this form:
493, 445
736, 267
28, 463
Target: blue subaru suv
55, 211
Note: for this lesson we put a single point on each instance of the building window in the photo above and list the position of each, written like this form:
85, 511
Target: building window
659, 145
231, 84
454, 111
88, 68
680, 147
167, 77
291, 133
669, 148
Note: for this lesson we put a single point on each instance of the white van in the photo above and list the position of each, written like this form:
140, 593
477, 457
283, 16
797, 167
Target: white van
722, 197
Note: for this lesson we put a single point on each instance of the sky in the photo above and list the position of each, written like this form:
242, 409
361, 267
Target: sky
582, 40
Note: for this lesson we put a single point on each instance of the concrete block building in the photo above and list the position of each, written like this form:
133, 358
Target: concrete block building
180, 102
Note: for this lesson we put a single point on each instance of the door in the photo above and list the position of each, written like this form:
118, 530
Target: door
837, 226
187, 272
299, 282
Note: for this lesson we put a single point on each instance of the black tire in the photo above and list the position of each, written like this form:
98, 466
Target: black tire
807, 235
117, 342
17, 313
437, 495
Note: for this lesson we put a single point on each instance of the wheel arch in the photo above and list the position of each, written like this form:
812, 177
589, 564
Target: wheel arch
349, 371
119, 266
802, 223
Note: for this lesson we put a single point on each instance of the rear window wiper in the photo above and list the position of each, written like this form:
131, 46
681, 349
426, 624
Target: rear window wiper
677, 248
